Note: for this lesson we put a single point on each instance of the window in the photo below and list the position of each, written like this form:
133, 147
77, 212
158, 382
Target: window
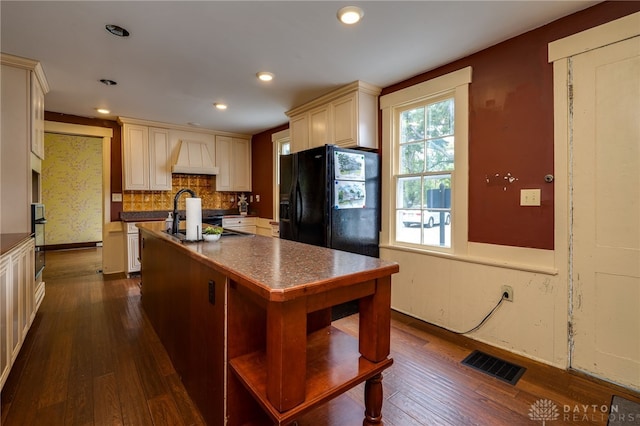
425, 134
281, 146
425, 145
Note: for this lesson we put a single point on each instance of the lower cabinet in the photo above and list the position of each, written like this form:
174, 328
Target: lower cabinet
241, 223
133, 251
132, 245
17, 303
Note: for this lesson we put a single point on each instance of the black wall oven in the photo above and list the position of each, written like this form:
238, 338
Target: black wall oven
37, 228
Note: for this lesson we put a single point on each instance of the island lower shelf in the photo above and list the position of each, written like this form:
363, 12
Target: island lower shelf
334, 365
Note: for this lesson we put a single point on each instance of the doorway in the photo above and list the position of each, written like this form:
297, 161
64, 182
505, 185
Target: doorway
72, 190
105, 134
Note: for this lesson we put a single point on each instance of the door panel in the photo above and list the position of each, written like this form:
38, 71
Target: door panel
311, 200
606, 212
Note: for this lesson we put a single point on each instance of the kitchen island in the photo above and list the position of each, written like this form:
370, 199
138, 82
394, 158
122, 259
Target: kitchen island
246, 322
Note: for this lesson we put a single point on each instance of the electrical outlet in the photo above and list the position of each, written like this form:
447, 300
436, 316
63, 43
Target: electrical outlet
257, 198
507, 293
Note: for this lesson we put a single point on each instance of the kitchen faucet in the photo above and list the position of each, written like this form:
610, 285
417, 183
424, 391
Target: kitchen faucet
176, 220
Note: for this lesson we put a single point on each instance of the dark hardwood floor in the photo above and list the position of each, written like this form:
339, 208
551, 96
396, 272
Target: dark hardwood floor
92, 358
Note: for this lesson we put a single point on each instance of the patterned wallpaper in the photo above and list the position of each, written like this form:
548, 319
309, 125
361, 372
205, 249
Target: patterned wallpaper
202, 185
72, 188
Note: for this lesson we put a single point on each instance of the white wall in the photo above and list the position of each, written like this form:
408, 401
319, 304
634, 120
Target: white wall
457, 294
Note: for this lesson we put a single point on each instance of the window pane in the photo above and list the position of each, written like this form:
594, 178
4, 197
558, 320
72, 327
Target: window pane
440, 154
437, 192
412, 158
440, 120
437, 216
412, 125
409, 193
285, 148
408, 226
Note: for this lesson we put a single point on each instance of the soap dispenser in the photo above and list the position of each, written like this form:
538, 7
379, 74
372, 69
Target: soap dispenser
168, 223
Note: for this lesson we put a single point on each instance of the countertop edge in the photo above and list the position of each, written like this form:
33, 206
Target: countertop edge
10, 241
265, 291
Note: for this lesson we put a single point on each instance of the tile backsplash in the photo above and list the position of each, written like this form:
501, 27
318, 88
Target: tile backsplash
202, 185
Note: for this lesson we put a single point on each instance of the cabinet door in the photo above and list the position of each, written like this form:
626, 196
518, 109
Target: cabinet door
37, 118
15, 292
319, 126
26, 284
345, 121
159, 160
223, 161
133, 251
299, 130
241, 161
5, 282
135, 157
30, 292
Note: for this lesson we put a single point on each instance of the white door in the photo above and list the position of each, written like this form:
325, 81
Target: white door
605, 172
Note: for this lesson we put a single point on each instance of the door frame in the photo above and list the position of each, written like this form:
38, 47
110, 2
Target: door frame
106, 134
560, 53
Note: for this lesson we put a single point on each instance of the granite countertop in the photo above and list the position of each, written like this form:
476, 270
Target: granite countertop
10, 241
280, 269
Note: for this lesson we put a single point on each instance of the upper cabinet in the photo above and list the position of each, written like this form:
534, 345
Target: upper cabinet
146, 158
233, 158
347, 117
21, 133
37, 117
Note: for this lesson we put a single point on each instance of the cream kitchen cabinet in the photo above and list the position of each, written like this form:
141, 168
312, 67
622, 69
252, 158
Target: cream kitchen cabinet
299, 132
17, 307
23, 85
241, 223
233, 158
132, 244
37, 117
347, 117
146, 158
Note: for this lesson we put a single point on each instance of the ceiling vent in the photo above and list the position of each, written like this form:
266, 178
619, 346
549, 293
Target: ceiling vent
194, 158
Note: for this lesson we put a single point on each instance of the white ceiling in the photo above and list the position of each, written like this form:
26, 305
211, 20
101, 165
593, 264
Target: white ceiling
183, 56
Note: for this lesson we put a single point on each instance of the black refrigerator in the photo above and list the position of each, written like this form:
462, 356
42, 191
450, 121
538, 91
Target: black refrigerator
330, 196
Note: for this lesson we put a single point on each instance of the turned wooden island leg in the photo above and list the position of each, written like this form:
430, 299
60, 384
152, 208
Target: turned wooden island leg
373, 401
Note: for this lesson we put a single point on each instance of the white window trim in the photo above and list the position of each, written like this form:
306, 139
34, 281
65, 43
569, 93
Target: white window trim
277, 139
458, 83
518, 258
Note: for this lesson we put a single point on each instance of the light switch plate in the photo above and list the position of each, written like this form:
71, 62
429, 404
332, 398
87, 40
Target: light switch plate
116, 198
530, 197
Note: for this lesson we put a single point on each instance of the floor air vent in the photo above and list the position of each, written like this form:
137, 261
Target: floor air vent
494, 367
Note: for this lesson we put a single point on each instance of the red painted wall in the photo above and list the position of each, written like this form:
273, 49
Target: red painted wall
511, 129
262, 171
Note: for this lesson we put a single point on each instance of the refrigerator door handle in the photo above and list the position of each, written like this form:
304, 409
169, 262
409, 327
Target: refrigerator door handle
298, 204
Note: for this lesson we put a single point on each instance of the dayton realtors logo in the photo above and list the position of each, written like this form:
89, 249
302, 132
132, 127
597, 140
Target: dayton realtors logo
544, 410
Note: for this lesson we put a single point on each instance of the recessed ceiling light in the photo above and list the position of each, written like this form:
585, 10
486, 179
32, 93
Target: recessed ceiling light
350, 15
117, 30
265, 76
108, 82
103, 110
193, 124
220, 106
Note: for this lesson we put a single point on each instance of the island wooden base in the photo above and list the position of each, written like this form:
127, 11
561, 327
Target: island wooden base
252, 349
334, 365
